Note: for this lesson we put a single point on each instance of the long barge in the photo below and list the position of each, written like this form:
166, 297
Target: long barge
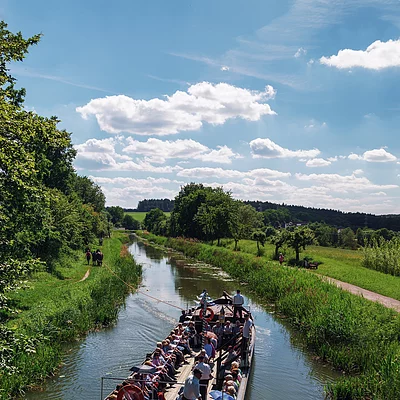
198, 325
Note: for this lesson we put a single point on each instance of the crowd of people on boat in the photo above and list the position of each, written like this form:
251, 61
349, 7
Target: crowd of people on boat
164, 362
96, 257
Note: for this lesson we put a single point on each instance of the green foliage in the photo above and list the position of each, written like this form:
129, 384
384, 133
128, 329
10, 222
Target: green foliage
153, 220
354, 335
117, 214
89, 192
278, 238
245, 220
260, 237
383, 256
347, 239
130, 223
299, 238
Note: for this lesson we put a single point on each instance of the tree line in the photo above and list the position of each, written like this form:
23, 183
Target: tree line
46, 209
210, 214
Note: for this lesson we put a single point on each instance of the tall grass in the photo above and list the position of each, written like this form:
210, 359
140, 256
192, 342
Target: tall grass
359, 337
383, 256
56, 310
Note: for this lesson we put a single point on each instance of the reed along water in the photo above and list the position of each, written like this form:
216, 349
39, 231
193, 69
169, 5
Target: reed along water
282, 370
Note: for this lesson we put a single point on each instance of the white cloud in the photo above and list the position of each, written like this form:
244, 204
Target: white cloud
266, 148
379, 194
375, 155
358, 172
317, 162
159, 150
99, 147
219, 173
377, 56
300, 52
224, 68
343, 183
183, 111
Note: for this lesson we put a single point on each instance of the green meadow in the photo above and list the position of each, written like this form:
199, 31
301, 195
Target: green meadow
140, 216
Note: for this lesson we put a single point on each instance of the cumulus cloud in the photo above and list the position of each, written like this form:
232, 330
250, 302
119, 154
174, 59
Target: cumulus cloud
224, 68
160, 150
375, 155
377, 56
183, 111
317, 162
266, 148
300, 52
343, 183
219, 173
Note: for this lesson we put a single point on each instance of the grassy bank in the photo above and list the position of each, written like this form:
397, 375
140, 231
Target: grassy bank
359, 337
342, 264
59, 307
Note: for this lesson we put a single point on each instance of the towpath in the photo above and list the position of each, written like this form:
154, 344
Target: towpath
367, 294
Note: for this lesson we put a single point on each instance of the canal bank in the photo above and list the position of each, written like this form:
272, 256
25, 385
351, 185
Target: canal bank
283, 368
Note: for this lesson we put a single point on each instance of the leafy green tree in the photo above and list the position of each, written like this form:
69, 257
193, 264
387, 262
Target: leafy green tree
89, 192
153, 218
246, 220
347, 239
130, 223
299, 238
260, 238
278, 238
217, 214
117, 214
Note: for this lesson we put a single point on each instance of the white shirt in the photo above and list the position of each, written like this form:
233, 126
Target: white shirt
192, 388
205, 369
246, 328
238, 300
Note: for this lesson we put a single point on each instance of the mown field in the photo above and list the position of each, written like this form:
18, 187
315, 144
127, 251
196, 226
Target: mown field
139, 216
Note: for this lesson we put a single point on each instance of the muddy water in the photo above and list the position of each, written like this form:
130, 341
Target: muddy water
283, 369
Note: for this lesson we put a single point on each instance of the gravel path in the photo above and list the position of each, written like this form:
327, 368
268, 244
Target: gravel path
367, 294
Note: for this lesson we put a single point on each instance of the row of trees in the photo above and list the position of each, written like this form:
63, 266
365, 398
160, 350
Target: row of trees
46, 209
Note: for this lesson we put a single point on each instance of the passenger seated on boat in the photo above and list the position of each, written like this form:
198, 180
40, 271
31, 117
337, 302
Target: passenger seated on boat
235, 368
202, 354
231, 391
218, 329
237, 328
229, 382
182, 317
172, 348
235, 377
207, 327
232, 356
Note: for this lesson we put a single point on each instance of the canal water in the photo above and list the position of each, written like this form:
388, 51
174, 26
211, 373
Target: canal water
283, 369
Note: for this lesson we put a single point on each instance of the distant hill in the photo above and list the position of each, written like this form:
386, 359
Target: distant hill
333, 217
299, 214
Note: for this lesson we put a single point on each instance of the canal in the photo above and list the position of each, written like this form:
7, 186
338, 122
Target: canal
283, 369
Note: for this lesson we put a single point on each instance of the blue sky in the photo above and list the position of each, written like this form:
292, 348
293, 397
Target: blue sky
291, 101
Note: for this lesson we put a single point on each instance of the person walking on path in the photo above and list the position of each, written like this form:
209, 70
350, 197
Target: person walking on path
238, 302
191, 390
94, 258
88, 256
281, 258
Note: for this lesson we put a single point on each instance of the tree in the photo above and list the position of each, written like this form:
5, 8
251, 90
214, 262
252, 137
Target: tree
117, 214
347, 239
246, 220
217, 214
153, 218
130, 223
278, 239
89, 192
299, 238
260, 238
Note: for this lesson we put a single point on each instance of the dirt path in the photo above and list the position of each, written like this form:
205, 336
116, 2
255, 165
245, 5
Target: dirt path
367, 294
85, 276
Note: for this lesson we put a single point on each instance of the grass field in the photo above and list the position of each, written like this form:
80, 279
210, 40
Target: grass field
342, 264
139, 216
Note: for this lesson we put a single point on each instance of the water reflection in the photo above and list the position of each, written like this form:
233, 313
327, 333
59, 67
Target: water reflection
283, 370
